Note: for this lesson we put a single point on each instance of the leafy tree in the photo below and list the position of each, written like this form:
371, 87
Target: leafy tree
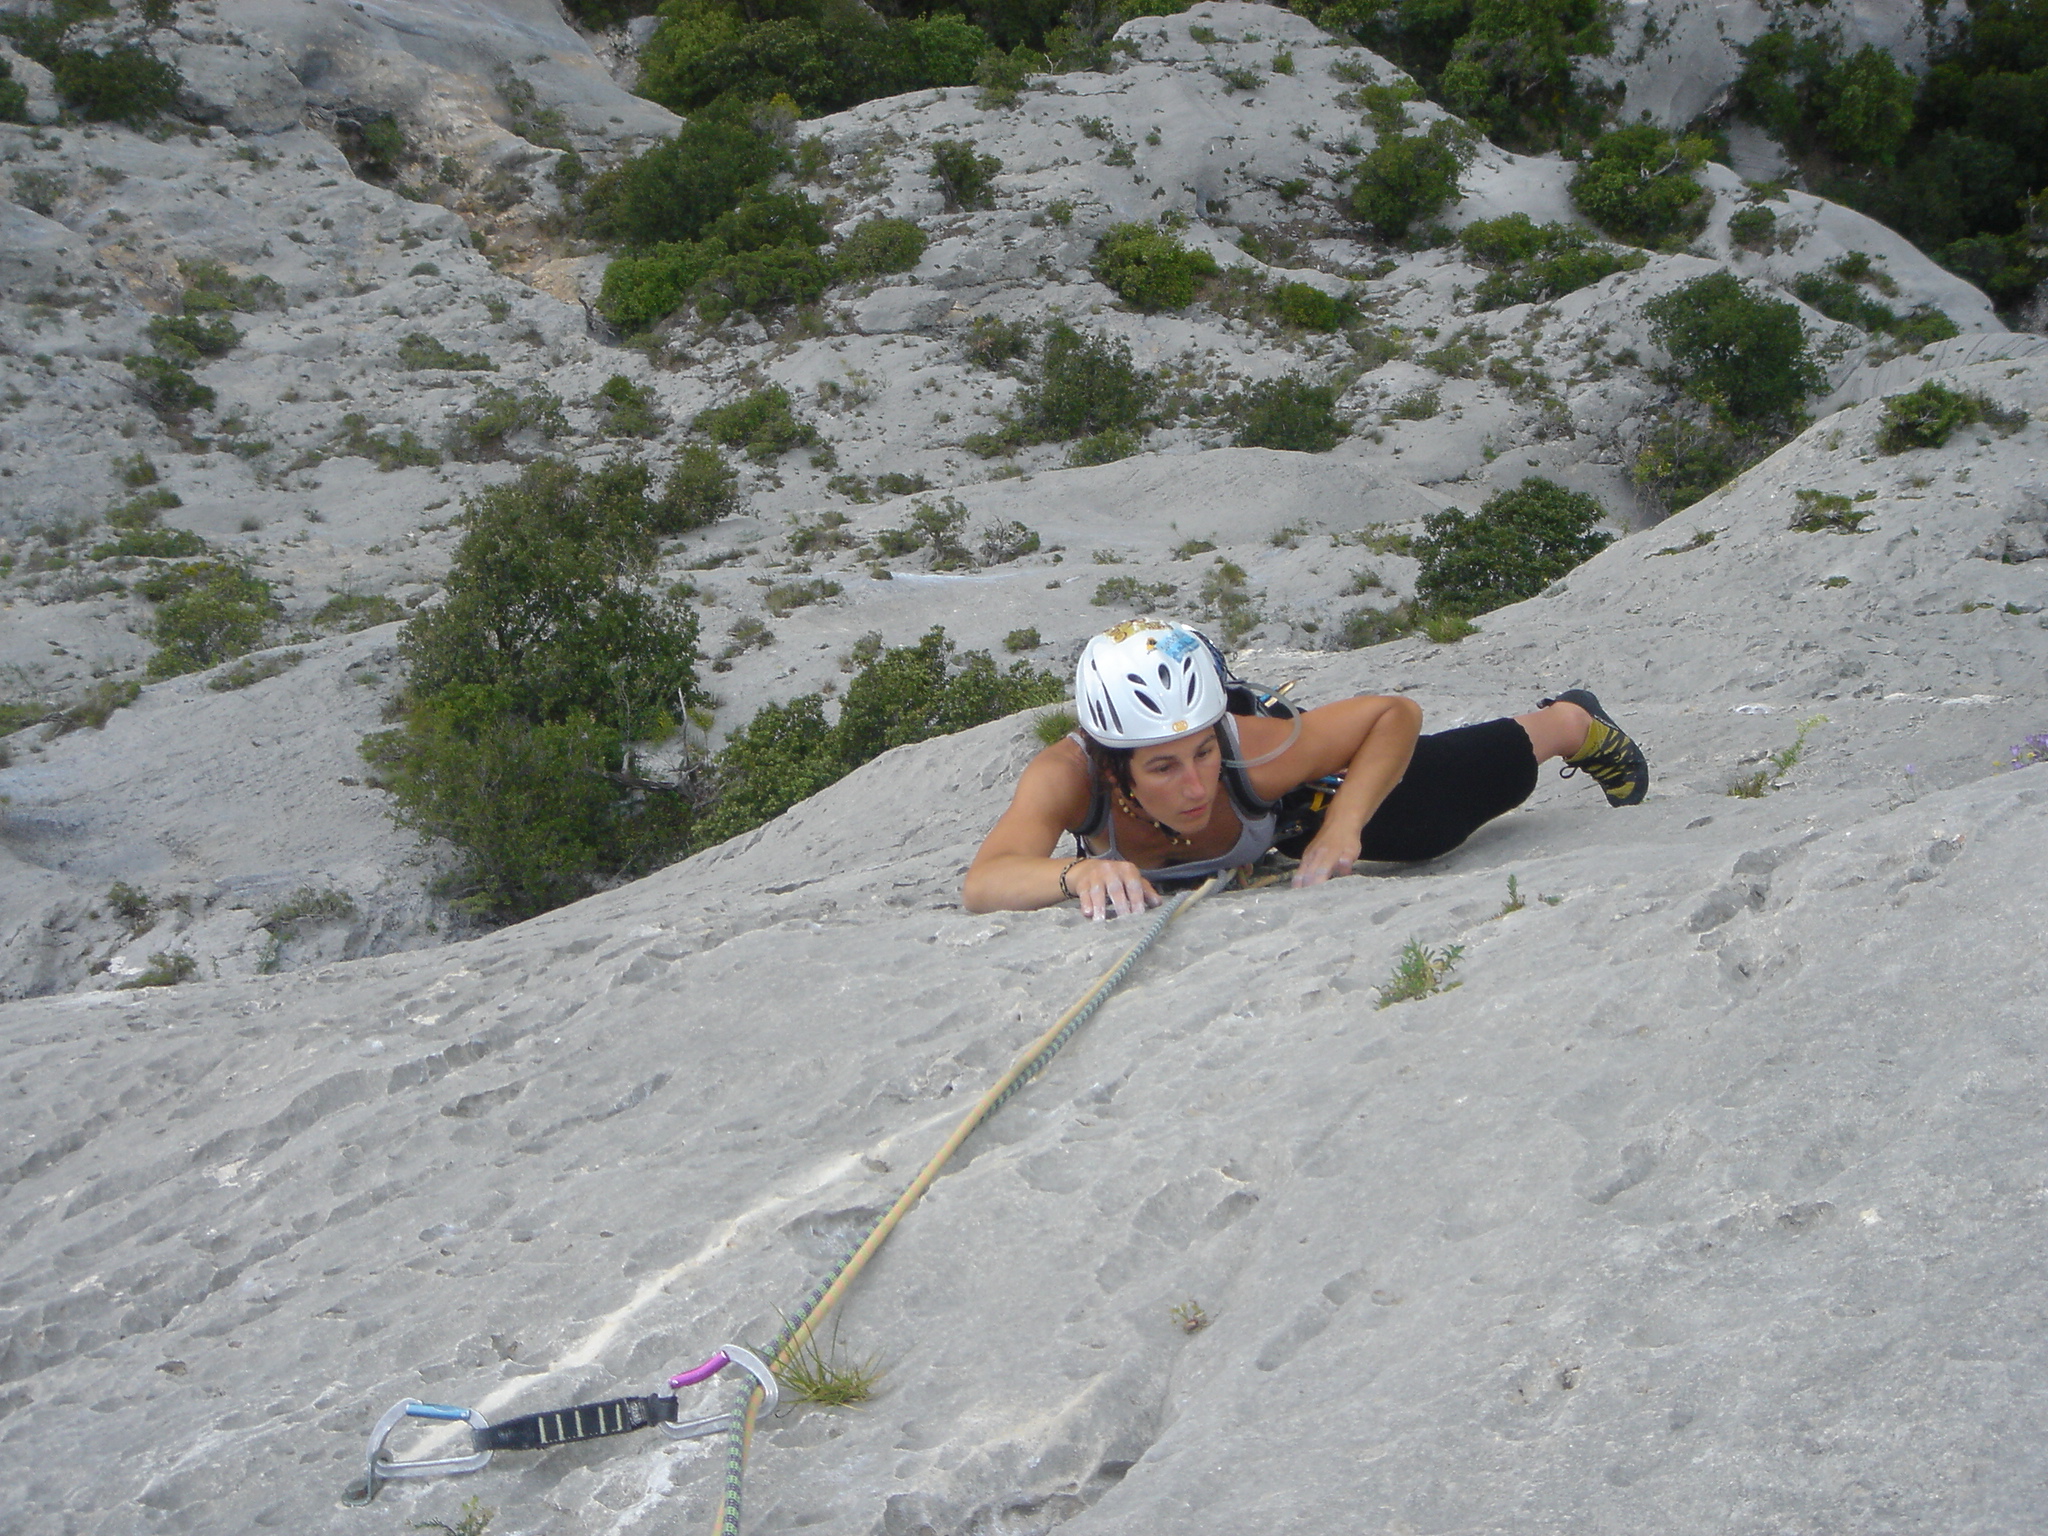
1743, 355
787, 752
1638, 185
878, 246
1085, 385
207, 613
1407, 179
676, 190
550, 655
1289, 413
963, 175
1515, 545
700, 489
1148, 267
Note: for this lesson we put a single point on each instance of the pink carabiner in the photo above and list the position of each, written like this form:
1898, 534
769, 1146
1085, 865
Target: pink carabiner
704, 1372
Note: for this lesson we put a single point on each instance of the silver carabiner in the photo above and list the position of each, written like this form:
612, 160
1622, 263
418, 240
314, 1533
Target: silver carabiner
380, 1468
715, 1423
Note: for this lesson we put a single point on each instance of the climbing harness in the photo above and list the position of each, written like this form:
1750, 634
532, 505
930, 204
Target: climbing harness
623, 1415
557, 1426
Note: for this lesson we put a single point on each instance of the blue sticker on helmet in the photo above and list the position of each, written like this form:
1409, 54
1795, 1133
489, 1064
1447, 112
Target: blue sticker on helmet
1178, 643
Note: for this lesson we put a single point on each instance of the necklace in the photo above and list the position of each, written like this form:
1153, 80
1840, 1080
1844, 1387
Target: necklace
1178, 840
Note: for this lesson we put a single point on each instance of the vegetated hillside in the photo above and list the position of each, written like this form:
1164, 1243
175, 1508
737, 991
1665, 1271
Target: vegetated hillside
256, 374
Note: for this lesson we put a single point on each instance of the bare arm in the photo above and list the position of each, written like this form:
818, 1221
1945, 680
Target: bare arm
1015, 869
1369, 740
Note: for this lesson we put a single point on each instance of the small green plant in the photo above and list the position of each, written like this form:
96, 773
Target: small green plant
97, 706
879, 246
418, 350
1054, 725
1192, 547
1928, 416
1447, 628
701, 488
166, 969
1820, 512
1419, 406
784, 599
168, 389
130, 904
763, 423
1006, 541
1127, 592
1754, 786
474, 1520
1288, 413
1639, 185
825, 1376
356, 439
1146, 266
1228, 600
207, 612
964, 177
1517, 543
309, 905
247, 674
1754, 228
353, 611
1188, 1315
1002, 76
1420, 972
1019, 640
627, 409
497, 415
1514, 903
990, 342
1085, 385
1406, 180
1701, 538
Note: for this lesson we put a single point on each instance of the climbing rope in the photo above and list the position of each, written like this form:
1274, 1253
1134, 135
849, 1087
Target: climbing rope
799, 1328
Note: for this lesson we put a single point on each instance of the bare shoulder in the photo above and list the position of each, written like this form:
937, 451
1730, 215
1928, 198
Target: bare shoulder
1052, 795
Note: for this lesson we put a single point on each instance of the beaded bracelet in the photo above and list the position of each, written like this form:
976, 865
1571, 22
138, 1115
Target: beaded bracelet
1064, 890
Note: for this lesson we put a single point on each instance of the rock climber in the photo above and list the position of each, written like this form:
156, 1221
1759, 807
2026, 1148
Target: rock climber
1162, 782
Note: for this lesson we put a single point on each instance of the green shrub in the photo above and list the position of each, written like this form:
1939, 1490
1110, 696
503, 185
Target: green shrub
1926, 417
1638, 185
877, 246
627, 409
1006, 541
1002, 76
1021, 640
1860, 107
1820, 512
1683, 461
247, 674
13, 96
759, 280
992, 342
356, 439
1408, 179
1375, 626
674, 191
762, 423
1515, 545
1537, 263
145, 510
377, 145
123, 83
168, 389
166, 969
420, 351
1743, 355
207, 614
787, 752
1753, 228
1085, 385
964, 177
1288, 413
826, 58
1105, 447
701, 488
1420, 406
152, 544
210, 287
351, 612
647, 286
498, 414
1146, 266
185, 339
1306, 307
548, 658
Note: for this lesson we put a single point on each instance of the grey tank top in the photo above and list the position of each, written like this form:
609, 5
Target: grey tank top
1256, 818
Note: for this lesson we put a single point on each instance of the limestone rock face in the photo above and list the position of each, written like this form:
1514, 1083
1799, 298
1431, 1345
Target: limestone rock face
1704, 1199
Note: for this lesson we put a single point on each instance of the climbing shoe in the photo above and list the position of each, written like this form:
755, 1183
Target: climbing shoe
1609, 757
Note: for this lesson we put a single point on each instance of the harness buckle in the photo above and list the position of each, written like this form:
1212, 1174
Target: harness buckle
717, 1423
379, 1467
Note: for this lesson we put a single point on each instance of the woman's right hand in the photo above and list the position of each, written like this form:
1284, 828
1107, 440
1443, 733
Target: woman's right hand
1106, 885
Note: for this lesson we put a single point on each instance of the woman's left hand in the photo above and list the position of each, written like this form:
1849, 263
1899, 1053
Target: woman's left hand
1330, 855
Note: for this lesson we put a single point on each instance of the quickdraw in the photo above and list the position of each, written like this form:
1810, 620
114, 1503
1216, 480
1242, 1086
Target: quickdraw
556, 1426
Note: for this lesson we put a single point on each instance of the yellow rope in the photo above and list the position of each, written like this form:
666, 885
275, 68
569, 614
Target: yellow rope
1027, 1065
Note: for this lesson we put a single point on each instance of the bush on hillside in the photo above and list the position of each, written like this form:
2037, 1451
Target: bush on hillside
1144, 265
1683, 461
1515, 545
764, 423
788, 752
1743, 355
1638, 185
676, 190
1406, 180
1085, 385
965, 178
878, 246
1928, 416
550, 656
1306, 307
700, 489
1289, 413
206, 613
1535, 263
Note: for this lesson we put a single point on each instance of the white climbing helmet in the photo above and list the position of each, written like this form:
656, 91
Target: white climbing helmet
1147, 681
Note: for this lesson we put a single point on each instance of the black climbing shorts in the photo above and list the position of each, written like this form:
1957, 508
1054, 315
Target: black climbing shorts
1457, 781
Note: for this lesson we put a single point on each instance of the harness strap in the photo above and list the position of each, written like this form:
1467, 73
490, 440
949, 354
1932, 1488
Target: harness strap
585, 1421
